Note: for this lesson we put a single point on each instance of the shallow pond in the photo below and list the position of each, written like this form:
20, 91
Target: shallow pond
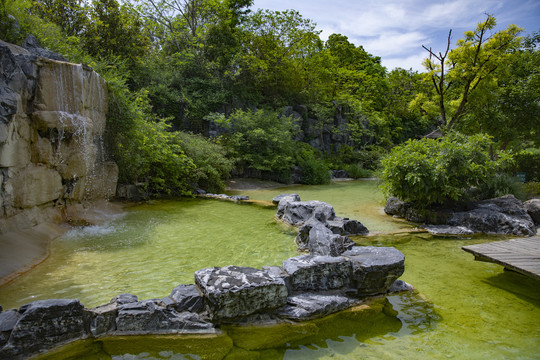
463, 309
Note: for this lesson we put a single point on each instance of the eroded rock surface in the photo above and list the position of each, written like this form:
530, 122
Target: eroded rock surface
318, 273
309, 306
503, 215
375, 269
235, 291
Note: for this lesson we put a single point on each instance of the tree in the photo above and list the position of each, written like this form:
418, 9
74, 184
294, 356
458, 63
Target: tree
458, 74
70, 15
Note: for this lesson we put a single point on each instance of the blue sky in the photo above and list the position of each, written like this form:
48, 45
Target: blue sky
395, 30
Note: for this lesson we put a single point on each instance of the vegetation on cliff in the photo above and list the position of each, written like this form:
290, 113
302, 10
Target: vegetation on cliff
277, 99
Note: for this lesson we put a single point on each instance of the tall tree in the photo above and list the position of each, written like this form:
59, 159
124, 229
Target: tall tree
458, 74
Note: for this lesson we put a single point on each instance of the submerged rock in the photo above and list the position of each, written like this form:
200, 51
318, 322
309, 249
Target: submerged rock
374, 269
448, 230
235, 291
318, 273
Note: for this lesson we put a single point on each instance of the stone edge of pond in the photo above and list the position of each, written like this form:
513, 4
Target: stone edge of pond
333, 276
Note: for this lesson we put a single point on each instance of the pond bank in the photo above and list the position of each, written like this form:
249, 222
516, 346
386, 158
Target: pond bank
22, 250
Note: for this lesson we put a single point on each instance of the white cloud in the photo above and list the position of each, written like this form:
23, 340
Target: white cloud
409, 62
393, 43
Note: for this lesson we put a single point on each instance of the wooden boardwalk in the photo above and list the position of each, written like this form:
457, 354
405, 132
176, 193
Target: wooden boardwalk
520, 255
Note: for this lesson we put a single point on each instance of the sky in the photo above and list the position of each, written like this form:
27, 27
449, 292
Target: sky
395, 30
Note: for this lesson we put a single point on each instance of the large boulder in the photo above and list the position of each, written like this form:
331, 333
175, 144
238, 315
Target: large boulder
374, 269
8, 319
533, 209
322, 241
298, 212
318, 273
346, 226
503, 215
235, 291
186, 298
104, 316
289, 197
44, 324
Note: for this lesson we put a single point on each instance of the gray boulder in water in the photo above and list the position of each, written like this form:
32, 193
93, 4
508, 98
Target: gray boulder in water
236, 291
375, 269
322, 241
318, 273
307, 306
44, 324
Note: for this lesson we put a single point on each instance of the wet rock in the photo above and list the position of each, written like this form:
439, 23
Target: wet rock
533, 209
8, 319
130, 192
298, 212
149, 317
374, 269
308, 306
235, 291
302, 237
400, 286
395, 206
448, 230
45, 324
318, 273
322, 241
345, 226
239, 197
187, 298
289, 197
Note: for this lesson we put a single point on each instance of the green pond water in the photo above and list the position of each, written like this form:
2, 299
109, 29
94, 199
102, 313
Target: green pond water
463, 309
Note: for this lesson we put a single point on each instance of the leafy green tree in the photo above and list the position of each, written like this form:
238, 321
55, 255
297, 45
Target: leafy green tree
510, 107
458, 75
260, 140
429, 171
69, 15
115, 30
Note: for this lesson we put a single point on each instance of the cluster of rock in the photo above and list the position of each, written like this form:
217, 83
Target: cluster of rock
52, 121
305, 287
503, 215
235, 198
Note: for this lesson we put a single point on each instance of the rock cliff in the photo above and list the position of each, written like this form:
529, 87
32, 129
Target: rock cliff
52, 121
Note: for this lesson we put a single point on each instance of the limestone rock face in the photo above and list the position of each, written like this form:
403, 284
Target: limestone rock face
35, 185
235, 291
375, 269
318, 273
52, 121
44, 324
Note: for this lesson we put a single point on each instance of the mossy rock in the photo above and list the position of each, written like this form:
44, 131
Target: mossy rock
78, 350
258, 337
205, 346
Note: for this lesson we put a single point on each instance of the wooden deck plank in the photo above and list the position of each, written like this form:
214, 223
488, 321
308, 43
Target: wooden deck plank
520, 255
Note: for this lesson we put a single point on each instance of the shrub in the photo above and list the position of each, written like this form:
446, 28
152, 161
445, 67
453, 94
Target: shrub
314, 169
357, 171
429, 171
501, 184
528, 161
211, 164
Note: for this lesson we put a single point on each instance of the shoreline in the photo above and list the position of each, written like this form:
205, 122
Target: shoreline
23, 250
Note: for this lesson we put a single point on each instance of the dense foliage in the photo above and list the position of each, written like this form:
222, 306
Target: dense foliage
432, 171
282, 100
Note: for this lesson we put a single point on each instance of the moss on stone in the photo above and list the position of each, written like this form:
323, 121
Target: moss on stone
257, 337
206, 346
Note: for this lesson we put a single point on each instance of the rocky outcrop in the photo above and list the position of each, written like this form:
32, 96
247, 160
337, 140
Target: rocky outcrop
52, 121
503, 215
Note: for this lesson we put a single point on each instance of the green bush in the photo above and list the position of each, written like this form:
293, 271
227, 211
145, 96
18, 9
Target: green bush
357, 171
314, 169
528, 161
499, 185
532, 189
209, 158
429, 171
